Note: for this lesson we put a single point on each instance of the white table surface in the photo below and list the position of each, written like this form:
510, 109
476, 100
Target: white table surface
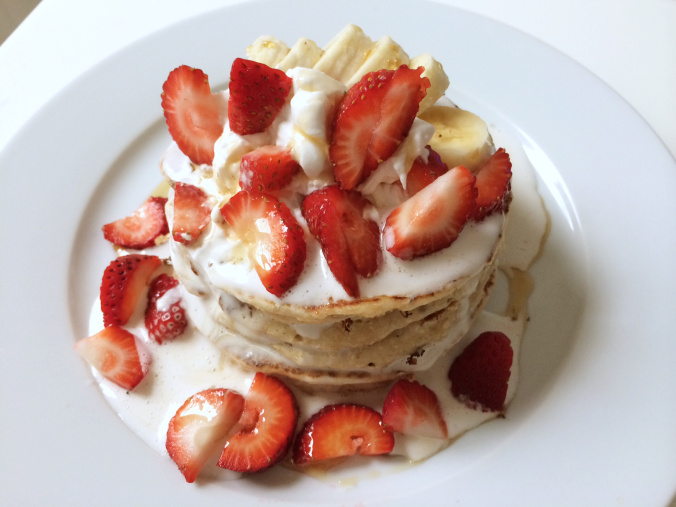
629, 44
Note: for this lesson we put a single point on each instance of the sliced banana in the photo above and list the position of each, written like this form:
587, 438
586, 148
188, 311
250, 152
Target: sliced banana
435, 73
267, 50
304, 53
383, 54
460, 137
345, 53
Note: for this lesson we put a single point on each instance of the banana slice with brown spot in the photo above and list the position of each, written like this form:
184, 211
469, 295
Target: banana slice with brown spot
460, 137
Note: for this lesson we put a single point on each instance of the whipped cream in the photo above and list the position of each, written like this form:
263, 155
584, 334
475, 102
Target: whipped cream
215, 263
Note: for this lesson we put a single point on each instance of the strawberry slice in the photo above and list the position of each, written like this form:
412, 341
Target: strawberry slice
423, 173
265, 429
276, 241
141, 228
342, 430
124, 281
373, 118
413, 409
257, 95
117, 355
199, 428
479, 375
493, 183
165, 318
433, 218
350, 242
194, 115
267, 169
192, 213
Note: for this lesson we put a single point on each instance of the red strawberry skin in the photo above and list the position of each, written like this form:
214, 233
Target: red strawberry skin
373, 118
276, 240
342, 430
479, 375
493, 183
423, 173
413, 409
194, 115
141, 228
192, 213
117, 354
124, 282
350, 242
164, 324
433, 218
267, 169
266, 427
200, 426
257, 95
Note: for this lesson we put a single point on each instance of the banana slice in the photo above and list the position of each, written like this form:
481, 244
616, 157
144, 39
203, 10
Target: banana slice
384, 54
460, 137
304, 53
438, 79
345, 53
267, 50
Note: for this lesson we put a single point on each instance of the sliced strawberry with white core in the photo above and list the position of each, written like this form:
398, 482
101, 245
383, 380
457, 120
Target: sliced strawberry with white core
257, 95
276, 242
493, 183
117, 355
194, 115
192, 213
265, 430
373, 118
350, 242
267, 169
342, 430
141, 228
433, 218
165, 317
480, 374
413, 409
200, 426
124, 283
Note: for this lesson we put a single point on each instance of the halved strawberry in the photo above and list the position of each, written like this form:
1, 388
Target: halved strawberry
194, 115
267, 169
423, 173
350, 242
124, 282
117, 355
413, 409
192, 213
276, 241
141, 228
342, 430
479, 375
265, 428
199, 428
373, 118
493, 183
165, 318
257, 95
433, 218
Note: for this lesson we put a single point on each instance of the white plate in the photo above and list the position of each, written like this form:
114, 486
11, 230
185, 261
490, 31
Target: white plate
594, 421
